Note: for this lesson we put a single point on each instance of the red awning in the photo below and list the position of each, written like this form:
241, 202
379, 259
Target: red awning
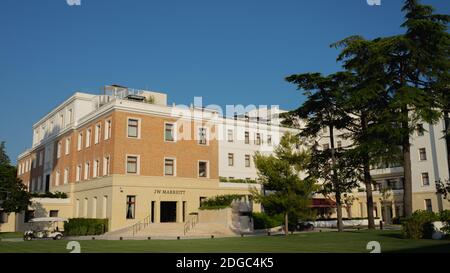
322, 203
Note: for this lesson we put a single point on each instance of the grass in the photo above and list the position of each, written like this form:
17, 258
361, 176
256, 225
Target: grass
9, 235
325, 242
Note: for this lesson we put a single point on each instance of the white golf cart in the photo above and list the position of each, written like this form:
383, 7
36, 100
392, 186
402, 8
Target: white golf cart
44, 228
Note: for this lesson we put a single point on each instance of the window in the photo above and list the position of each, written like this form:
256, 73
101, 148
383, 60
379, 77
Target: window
169, 167
53, 213
428, 205
230, 135
66, 176
132, 164
133, 128
58, 150
106, 165
57, 177
98, 129
131, 206
425, 179
247, 138
203, 169
78, 178
94, 207
96, 168
68, 146
61, 121
108, 129
258, 139
29, 214
3, 217
422, 154
169, 132
70, 116
88, 138
85, 207
230, 159
247, 161
34, 161
202, 136
420, 129
41, 158
87, 169
80, 142
269, 140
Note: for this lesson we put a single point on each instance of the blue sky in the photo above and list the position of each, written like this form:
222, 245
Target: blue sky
227, 51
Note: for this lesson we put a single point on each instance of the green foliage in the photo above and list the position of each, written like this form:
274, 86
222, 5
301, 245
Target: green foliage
83, 227
219, 202
230, 180
265, 221
54, 195
14, 196
419, 225
444, 217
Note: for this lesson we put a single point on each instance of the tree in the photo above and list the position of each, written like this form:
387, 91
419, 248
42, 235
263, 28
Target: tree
14, 196
323, 108
365, 100
287, 193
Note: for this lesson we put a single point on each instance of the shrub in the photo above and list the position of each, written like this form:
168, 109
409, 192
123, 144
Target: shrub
83, 227
219, 202
265, 221
419, 225
55, 195
444, 217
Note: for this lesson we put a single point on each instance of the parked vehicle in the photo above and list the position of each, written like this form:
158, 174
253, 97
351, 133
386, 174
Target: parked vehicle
44, 228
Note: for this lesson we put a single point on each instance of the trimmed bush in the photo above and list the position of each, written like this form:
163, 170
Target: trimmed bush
419, 225
444, 217
83, 227
219, 202
265, 221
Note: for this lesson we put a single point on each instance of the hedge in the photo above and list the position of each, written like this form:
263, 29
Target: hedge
265, 221
419, 225
83, 227
219, 202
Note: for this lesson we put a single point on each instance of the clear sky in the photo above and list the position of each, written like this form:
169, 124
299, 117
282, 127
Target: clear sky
227, 51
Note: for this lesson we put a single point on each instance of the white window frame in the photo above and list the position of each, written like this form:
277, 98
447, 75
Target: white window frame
426, 155
138, 128
80, 141
96, 168
198, 135
108, 129
87, 170
138, 164
249, 160
88, 137
232, 159
174, 132
68, 144
106, 165
58, 150
57, 177
66, 176
174, 166
230, 139
79, 173
97, 133
207, 169
421, 179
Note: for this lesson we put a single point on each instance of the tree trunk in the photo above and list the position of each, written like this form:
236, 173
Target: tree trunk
286, 224
368, 180
406, 146
335, 181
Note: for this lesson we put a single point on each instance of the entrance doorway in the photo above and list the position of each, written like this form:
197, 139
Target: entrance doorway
168, 212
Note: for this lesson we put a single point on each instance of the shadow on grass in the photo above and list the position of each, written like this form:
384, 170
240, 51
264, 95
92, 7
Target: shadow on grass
441, 248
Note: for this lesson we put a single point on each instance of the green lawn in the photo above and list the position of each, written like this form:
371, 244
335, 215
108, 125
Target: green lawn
349, 241
4, 235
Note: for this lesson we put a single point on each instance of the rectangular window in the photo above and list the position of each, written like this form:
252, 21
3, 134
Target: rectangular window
247, 138
169, 167
87, 170
202, 136
78, 178
428, 205
96, 168
247, 161
61, 121
258, 139
53, 213
420, 130
98, 129
422, 154
108, 129
131, 206
133, 128
57, 178
66, 176
230, 136
68, 146
132, 164
230, 159
106, 165
269, 140
203, 169
88, 138
425, 179
80, 142
169, 132
70, 116
58, 150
